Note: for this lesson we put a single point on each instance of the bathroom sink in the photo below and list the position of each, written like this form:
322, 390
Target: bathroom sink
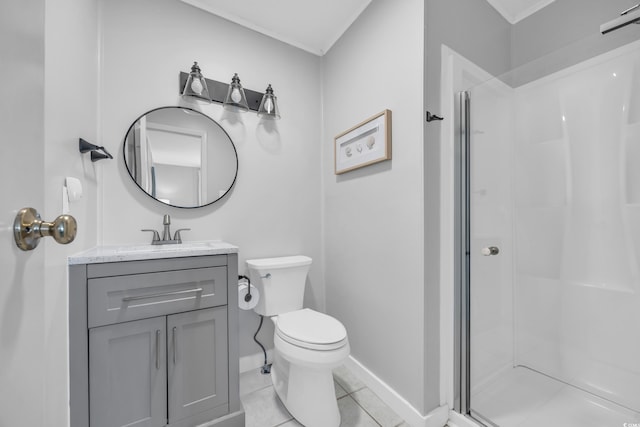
181, 247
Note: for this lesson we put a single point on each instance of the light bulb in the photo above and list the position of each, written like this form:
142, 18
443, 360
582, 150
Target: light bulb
268, 105
196, 86
235, 95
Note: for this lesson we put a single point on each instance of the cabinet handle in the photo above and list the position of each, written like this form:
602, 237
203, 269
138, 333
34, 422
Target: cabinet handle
158, 349
161, 294
173, 338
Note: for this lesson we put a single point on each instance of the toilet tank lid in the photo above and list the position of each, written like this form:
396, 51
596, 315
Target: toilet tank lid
279, 262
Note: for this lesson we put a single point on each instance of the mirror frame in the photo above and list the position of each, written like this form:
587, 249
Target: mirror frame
124, 156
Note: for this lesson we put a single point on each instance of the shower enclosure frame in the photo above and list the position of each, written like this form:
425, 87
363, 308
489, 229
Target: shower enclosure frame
462, 250
462, 266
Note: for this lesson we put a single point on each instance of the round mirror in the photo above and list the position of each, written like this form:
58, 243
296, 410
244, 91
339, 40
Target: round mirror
180, 157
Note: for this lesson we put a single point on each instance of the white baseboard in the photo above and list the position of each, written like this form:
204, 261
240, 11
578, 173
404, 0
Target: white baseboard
254, 361
436, 418
459, 420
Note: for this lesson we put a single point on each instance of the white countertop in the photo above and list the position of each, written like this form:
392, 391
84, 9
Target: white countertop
100, 254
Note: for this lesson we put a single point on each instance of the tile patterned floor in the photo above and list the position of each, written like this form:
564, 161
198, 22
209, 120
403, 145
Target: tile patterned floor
359, 407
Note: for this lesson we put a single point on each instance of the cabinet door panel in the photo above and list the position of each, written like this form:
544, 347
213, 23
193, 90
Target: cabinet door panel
197, 363
128, 374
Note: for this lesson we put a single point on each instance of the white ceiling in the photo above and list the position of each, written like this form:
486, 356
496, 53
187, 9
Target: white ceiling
516, 10
315, 25
310, 25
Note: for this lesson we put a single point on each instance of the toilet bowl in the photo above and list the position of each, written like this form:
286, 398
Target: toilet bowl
302, 372
308, 344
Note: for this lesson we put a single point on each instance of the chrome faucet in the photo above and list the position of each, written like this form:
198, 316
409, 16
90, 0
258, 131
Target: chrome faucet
166, 234
166, 221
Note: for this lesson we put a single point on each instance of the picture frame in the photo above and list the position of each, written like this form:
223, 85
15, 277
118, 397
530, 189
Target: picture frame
364, 144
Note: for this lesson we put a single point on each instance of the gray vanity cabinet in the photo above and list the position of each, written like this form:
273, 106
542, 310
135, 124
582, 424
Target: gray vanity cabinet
153, 343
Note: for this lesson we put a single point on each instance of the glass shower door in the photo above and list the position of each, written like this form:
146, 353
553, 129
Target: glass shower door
554, 246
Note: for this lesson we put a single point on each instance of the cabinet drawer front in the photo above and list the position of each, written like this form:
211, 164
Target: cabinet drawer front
124, 298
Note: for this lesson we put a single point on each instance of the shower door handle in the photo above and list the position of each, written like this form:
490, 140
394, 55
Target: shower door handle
490, 251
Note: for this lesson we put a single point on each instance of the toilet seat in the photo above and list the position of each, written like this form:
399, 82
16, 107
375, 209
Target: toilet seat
310, 329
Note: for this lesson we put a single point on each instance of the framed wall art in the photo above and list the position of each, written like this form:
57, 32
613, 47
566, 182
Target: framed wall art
364, 144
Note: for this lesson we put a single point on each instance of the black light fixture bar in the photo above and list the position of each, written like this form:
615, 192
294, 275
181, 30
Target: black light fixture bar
218, 91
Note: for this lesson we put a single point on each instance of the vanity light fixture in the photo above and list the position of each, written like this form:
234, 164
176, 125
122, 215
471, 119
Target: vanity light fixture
269, 105
86, 147
231, 95
236, 100
195, 87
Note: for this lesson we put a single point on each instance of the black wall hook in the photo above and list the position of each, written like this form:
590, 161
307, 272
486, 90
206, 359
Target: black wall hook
432, 117
85, 147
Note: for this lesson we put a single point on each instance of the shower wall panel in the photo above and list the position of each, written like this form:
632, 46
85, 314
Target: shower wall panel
577, 214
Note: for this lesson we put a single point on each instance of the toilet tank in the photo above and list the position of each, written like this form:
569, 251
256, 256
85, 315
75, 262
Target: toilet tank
280, 281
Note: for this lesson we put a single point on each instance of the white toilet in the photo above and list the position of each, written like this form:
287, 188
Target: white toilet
308, 344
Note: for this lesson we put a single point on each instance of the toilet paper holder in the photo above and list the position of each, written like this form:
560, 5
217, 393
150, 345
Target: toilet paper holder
248, 296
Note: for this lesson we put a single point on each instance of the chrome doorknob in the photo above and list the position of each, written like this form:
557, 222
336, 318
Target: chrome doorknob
490, 251
28, 228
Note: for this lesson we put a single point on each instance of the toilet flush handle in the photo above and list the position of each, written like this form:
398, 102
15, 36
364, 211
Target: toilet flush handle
266, 276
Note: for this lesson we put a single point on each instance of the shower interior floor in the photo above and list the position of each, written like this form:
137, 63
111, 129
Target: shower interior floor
521, 397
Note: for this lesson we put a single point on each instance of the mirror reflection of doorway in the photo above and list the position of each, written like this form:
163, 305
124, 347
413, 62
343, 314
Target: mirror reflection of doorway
178, 177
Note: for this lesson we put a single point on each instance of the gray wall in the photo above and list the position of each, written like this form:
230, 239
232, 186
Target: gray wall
566, 22
71, 38
563, 34
373, 233
275, 207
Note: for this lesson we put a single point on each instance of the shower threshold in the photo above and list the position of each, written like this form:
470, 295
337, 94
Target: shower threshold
521, 397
